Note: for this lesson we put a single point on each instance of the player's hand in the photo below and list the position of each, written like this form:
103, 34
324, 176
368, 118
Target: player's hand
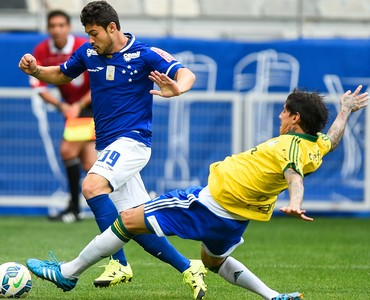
73, 110
295, 212
28, 64
63, 108
168, 87
355, 101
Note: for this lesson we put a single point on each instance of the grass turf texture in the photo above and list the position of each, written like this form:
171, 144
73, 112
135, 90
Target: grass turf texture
326, 259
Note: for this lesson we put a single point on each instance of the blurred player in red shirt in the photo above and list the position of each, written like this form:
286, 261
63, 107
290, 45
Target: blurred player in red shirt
75, 102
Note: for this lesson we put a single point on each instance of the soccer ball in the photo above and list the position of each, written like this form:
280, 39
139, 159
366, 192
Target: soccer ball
15, 280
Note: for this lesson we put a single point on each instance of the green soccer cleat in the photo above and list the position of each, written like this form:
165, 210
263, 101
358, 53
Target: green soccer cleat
193, 277
292, 296
113, 274
50, 271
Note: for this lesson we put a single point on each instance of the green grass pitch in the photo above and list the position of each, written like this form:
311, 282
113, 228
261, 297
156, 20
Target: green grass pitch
326, 259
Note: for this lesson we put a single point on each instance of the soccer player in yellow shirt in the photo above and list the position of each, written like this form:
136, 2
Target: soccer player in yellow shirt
241, 188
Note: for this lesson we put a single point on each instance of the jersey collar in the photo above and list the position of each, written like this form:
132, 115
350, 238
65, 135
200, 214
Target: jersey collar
132, 40
305, 136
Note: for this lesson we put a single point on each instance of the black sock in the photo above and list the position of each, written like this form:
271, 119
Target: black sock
73, 174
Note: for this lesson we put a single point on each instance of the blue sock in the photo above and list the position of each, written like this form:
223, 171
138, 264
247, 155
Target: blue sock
161, 248
105, 214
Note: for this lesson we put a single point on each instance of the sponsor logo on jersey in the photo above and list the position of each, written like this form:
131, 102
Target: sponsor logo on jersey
128, 56
165, 55
90, 52
98, 69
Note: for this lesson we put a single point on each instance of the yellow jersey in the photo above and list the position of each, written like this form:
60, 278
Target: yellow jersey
248, 183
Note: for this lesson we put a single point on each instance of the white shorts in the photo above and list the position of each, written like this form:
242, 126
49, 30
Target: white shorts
120, 163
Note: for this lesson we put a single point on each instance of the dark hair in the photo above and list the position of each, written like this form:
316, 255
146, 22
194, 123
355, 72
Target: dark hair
99, 13
312, 109
57, 13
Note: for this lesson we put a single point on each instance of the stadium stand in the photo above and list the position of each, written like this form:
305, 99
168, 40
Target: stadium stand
344, 9
228, 19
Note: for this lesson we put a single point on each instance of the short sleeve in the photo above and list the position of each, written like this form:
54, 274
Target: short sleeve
324, 143
74, 66
287, 152
163, 62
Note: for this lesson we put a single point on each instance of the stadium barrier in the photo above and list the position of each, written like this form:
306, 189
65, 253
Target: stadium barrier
233, 105
190, 132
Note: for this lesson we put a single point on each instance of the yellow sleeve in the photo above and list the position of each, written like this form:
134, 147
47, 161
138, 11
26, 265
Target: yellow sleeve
324, 143
288, 153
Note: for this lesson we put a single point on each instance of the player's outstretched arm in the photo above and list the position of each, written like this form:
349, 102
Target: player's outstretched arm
296, 191
52, 74
170, 88
348, 104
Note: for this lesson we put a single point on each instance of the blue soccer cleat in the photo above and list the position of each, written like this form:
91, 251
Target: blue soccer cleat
50, 271
292, 296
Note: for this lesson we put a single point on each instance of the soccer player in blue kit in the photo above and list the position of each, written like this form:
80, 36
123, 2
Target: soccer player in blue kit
122, 71
241, 188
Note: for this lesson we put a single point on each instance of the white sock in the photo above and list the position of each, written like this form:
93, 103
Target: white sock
236, 273
100, 247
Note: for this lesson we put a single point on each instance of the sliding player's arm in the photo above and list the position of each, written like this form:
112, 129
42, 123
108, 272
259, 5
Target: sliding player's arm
296, 192
348, 104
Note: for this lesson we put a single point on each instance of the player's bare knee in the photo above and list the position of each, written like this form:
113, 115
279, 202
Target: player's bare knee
126, 217
86, 189
133, 221
94, 185
90, 190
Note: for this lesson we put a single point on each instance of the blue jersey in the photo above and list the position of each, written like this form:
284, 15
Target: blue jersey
121, 102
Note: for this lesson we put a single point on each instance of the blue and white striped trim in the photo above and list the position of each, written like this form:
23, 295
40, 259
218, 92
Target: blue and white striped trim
169, 203
155, 225
170, 68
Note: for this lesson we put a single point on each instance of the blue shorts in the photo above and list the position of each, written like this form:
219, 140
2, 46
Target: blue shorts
181, 213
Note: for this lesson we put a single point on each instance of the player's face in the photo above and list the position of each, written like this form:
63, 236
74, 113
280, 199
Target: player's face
59, 29
287, 120
99, 38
